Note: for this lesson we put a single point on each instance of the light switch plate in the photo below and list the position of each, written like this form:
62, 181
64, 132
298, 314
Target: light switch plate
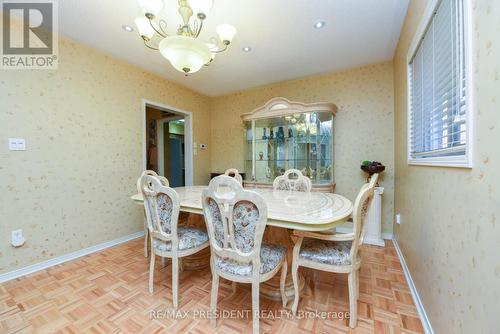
398, 218
17, 144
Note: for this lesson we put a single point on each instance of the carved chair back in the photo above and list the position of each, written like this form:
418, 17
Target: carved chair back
162, 206
294, 180
360, 210
234, 173
162, 179
235, 219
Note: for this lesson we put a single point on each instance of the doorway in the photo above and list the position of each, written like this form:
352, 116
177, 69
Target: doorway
167, 138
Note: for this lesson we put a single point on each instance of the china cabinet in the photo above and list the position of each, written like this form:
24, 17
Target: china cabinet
282, 134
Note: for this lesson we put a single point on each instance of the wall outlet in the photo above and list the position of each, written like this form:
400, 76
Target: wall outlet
16, 238
17, 144
398, 219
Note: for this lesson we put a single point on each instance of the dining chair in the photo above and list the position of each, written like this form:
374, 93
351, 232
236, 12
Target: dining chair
168, 240
234, 173
236, 219
163, 181
292, 179
337, 253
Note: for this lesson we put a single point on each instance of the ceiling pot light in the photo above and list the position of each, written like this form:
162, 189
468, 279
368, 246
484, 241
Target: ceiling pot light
127, 28
186, 54
247, 49
319, 24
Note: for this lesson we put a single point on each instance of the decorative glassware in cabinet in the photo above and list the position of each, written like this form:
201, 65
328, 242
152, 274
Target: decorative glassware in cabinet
283, 135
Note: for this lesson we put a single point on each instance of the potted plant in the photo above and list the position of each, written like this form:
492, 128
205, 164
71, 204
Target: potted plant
372, 167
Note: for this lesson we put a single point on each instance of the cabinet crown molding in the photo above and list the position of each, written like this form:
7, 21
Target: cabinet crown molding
280, 106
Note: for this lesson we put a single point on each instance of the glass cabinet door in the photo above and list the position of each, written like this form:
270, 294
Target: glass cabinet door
302, 141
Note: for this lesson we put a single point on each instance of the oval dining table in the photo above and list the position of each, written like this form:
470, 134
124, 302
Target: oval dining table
286, 211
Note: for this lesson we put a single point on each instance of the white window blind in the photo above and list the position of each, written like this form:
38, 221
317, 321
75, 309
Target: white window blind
438, 86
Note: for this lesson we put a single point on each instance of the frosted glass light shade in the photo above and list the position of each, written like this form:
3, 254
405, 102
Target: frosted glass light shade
186, 54
226, 32
144, 27
201, 6
151, 6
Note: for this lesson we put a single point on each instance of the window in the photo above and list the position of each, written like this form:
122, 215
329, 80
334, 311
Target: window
438, 87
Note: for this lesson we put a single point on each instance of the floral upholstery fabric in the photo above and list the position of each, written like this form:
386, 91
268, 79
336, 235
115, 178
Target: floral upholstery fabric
189, 237
283, 184
328, 252
214, 212
245, 218
301, 185
270, 258
165, 207
297, 185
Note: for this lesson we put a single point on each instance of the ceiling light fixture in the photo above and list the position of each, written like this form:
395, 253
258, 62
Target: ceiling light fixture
127, 28
246, 49
185, 51
319, 24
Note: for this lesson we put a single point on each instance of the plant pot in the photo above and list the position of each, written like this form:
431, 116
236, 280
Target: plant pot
373, 169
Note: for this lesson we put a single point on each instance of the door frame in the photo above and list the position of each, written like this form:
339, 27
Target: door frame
159, 133
188, 136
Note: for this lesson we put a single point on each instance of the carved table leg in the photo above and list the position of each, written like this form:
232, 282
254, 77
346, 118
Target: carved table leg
271, 289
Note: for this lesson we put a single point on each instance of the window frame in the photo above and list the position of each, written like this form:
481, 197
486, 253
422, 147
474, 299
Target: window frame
461, 161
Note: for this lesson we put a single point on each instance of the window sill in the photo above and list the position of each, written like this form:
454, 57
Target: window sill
456, 162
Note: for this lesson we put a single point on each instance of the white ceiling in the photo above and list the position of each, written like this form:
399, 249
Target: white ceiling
284, 43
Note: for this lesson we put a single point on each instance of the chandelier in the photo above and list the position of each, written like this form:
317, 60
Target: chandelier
184, 50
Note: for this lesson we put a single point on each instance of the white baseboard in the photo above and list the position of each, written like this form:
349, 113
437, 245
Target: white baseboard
426, 324
67, 257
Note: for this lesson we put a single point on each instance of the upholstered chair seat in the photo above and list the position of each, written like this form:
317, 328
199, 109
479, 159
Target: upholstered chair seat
271, 256
189, 237
324, 251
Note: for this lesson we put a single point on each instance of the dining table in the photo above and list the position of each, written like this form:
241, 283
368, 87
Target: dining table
286, 211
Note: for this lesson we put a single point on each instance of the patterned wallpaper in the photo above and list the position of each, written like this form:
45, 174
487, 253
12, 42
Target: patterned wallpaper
450, 234
364, 125
82, 124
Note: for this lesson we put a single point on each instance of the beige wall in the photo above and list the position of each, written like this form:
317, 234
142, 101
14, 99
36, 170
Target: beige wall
363, 125
82, 124
450, 234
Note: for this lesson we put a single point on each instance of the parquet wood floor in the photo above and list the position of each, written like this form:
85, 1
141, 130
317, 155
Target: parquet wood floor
107, 292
